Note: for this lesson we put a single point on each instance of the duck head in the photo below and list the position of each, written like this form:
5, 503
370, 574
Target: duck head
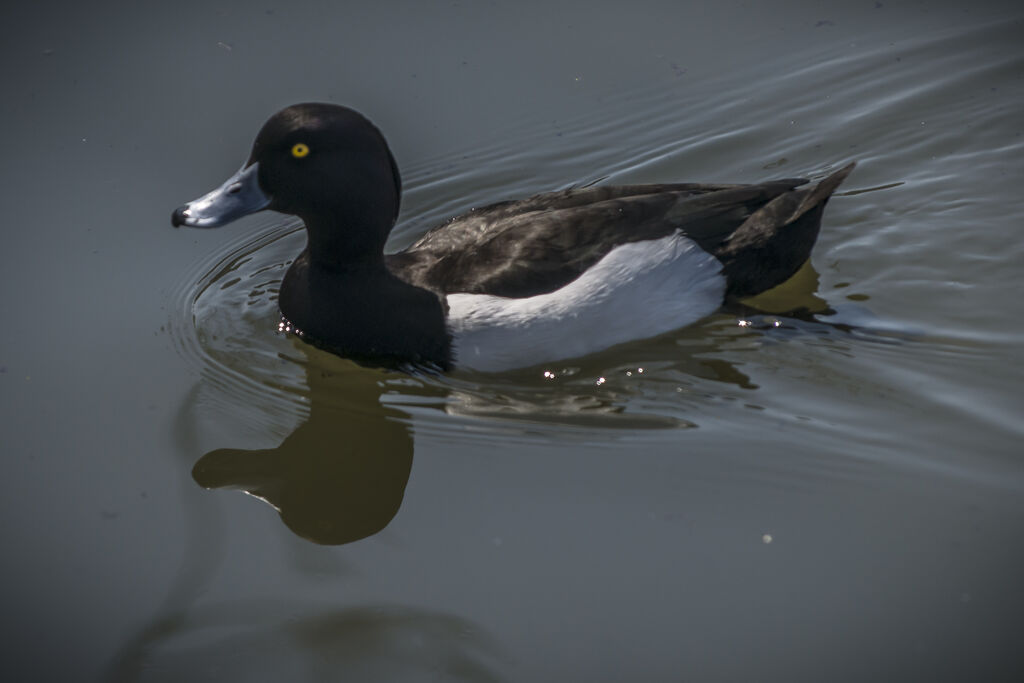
324, 163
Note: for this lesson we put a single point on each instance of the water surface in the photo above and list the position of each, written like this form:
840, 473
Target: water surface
193, 495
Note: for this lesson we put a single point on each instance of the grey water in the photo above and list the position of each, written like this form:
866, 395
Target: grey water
190, 494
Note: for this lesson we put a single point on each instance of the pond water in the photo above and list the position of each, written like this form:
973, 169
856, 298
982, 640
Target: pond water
191, 494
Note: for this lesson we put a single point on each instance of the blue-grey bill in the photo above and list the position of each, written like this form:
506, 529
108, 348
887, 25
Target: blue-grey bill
239, 196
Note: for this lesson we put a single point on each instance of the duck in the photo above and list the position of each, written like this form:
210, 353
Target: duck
512, 284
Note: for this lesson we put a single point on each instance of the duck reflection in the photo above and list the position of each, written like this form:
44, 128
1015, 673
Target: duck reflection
274, 639
341, 475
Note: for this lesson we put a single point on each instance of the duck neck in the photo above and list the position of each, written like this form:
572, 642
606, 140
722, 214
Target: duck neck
332, 248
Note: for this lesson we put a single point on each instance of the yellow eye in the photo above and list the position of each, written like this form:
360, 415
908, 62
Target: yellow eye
299, 150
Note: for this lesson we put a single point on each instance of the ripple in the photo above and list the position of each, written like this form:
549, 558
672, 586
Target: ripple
886, 244
225, 318
225, 322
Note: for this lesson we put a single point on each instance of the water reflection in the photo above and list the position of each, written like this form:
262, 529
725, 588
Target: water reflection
341, 475
313, 477
264, 639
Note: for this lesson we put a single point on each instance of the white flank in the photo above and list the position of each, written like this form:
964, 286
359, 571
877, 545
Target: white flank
638, 290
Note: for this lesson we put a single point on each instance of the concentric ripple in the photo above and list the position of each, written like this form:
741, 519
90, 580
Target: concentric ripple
731, 369
226, 322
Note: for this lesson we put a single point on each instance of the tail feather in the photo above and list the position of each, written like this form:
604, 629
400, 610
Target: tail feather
777, 239
820, 193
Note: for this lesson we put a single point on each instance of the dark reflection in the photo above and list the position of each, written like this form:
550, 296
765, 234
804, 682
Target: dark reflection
341, 475
721, 371
795, 306
261, 639
797, 298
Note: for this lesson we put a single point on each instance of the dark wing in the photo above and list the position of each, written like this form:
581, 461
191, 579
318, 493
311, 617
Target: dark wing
537, 245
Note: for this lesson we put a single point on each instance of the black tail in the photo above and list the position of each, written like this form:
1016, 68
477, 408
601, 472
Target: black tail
772, 244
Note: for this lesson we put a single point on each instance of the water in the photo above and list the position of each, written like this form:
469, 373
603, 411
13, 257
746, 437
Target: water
835, 496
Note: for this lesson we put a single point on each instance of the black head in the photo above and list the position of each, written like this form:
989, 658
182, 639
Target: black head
314, 158
326, 164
